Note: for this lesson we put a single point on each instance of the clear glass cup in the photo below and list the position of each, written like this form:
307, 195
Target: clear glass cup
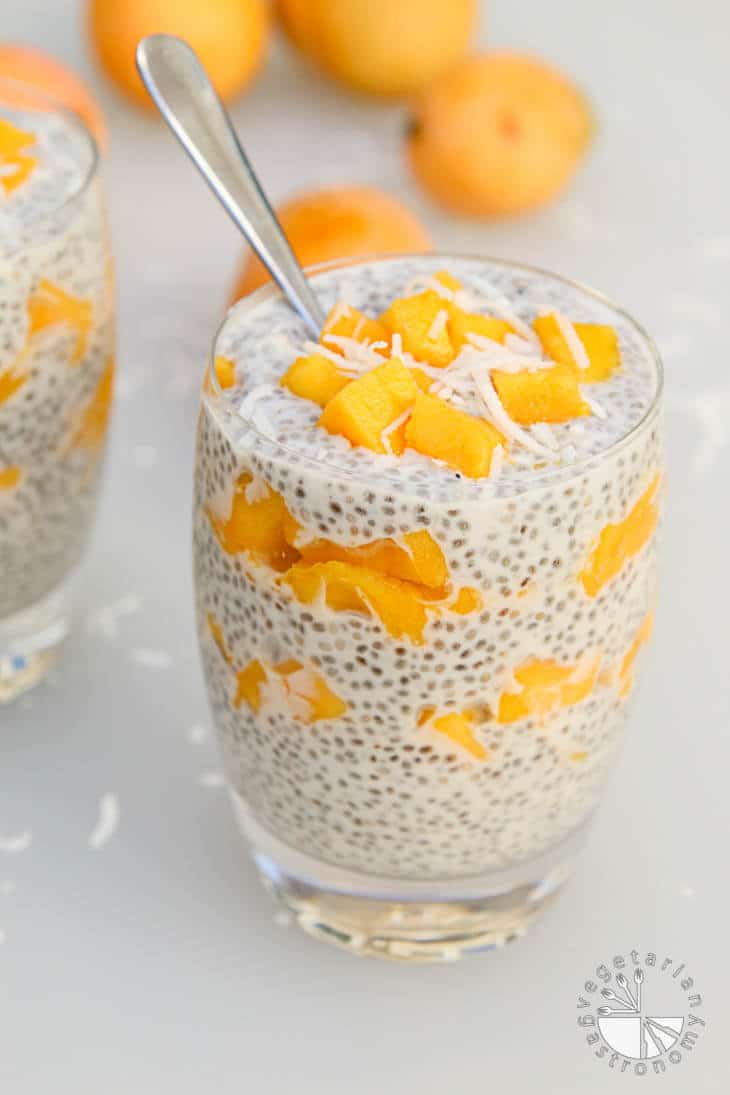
381, 828
56, 371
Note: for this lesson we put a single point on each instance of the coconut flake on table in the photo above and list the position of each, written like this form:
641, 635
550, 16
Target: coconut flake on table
17, 842
573, 341
107, 821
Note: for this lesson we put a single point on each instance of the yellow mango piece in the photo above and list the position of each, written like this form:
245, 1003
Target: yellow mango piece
350, 588
422, 323
626, 672
10, 477
321, 702
620, 542
463, 442
421, 560
599, 341
256, 527
368, 405
448, 281
546, 686
546, 395
16, 165
314, 377
216, 632
11, 380
346, 322
462, 324
248, 685
458, 727
422, 379
92, 426
467, 600
225, 370
50, 305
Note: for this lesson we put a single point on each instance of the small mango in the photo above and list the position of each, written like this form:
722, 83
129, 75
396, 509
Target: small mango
422, 321
367, 406
545, 395
314, 377
445, 433
599, 341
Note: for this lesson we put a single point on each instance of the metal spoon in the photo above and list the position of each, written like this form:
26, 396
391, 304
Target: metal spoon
186, 99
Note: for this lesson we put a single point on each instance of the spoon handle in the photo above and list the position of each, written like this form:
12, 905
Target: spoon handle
188, 102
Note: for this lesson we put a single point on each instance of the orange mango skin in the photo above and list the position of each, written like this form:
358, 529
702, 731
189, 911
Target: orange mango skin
256, 528
350, 588
620, 542
599, 341
445, 433
544, 687
421, 560
545, 395
314, 377
368, 405
412, 318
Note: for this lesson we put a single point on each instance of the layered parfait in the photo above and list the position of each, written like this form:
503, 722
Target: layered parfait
425, 561
56, 356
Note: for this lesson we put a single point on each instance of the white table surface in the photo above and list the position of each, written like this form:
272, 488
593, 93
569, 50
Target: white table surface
154, 965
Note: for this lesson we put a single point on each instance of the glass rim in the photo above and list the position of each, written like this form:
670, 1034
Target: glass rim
51, 104
562, 472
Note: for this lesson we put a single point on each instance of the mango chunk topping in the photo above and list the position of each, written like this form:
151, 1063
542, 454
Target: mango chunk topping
314, 377
422, 321
620, 542
350, 588
366, 407
445, 433
50, 305
94, 421
16, 165
10, 477
546, 686
419, 559
458, 726
347, 322
289, 685
462, 324
599, 341
545, 395
255, 525
626, 672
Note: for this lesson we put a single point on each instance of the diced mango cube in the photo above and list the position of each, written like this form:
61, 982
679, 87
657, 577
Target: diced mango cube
17, 165
422, 379
421, 560
422, 321
620, 542
599, 341
256, 527
350, 588
368, 405
249, 681
546, 686
346, 322
545, 395
462, 324
445, 433
225, 371
458, 726
314, 377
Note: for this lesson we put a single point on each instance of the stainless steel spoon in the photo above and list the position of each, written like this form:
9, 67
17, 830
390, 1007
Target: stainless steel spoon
186, 99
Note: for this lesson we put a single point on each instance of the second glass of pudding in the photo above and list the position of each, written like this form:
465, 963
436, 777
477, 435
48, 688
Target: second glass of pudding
425, 568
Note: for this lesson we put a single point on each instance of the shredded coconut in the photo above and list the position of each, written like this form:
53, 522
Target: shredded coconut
543, 433
596, 407
499, 418
393, 426
438, 326
257, 490
496, 466
573, 341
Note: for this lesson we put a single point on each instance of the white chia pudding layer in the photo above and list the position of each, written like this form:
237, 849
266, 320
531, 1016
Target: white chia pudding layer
56, 355
556, 552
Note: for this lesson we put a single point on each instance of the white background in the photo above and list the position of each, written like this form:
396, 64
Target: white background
154, 966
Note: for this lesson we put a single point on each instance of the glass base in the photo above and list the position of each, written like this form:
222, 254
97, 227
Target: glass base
30, 642
408, 921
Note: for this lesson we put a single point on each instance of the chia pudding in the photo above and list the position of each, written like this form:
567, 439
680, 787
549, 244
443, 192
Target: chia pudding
56, 346
421, 607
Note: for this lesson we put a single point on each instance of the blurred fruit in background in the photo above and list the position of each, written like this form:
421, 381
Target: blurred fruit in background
498, 134
382, 47
230, 37
50, 77
343, 222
